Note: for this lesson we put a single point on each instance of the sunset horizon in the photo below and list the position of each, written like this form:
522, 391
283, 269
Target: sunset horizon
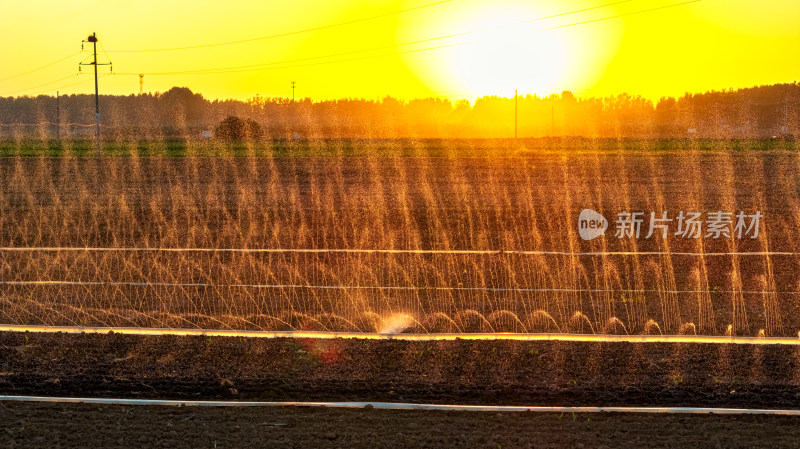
454, 49
400, 224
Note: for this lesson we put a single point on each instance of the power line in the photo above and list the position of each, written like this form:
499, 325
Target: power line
223, 71
72, 84
265, 66
111, 66
42, 85
64, 86
40, 68
384, 47
291, 33
622, 15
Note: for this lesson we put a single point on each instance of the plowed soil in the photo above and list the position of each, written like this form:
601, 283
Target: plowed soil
80, 425
457, 372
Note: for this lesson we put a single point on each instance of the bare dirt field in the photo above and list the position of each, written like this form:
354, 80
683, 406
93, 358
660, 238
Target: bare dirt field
46, 425
459, 372
455, 372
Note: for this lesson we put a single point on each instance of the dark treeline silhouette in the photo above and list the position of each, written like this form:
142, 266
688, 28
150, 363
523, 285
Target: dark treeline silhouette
762, 111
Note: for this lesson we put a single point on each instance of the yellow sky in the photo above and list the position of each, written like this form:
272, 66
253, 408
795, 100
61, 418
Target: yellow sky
708, 44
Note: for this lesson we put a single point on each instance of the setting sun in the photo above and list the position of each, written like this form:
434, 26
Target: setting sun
498, 54
406, 49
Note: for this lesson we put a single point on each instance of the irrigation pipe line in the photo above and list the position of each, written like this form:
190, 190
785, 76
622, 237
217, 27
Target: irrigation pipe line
597, 338
408, 406
384, 287
388, 251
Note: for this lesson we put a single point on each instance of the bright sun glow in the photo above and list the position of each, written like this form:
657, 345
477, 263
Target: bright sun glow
499, 47
403, 48
509, 57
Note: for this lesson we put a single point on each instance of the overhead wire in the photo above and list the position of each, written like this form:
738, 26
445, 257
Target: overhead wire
78, 82
223, 71
277, 64
290, 33
266, 66
41, 67
44, 84
64, 86
384, 47
60, 79
215, 44
103, 48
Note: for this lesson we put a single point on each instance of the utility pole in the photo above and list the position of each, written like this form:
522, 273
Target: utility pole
141, 83
515, 114
58, 118
93, 40
293, 84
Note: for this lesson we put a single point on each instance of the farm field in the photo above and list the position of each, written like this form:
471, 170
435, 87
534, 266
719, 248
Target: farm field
454, 372
400, 224
461, 372
247, 427
392, 237
416, 236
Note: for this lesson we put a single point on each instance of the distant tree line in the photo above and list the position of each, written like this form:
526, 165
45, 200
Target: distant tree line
772, 110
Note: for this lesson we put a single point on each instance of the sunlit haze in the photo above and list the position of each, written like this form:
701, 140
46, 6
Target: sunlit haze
406, 49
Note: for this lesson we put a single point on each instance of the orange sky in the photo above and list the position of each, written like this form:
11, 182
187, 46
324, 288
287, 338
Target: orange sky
498, 47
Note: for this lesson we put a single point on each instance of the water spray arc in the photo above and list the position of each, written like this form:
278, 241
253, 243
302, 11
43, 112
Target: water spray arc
416, 244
